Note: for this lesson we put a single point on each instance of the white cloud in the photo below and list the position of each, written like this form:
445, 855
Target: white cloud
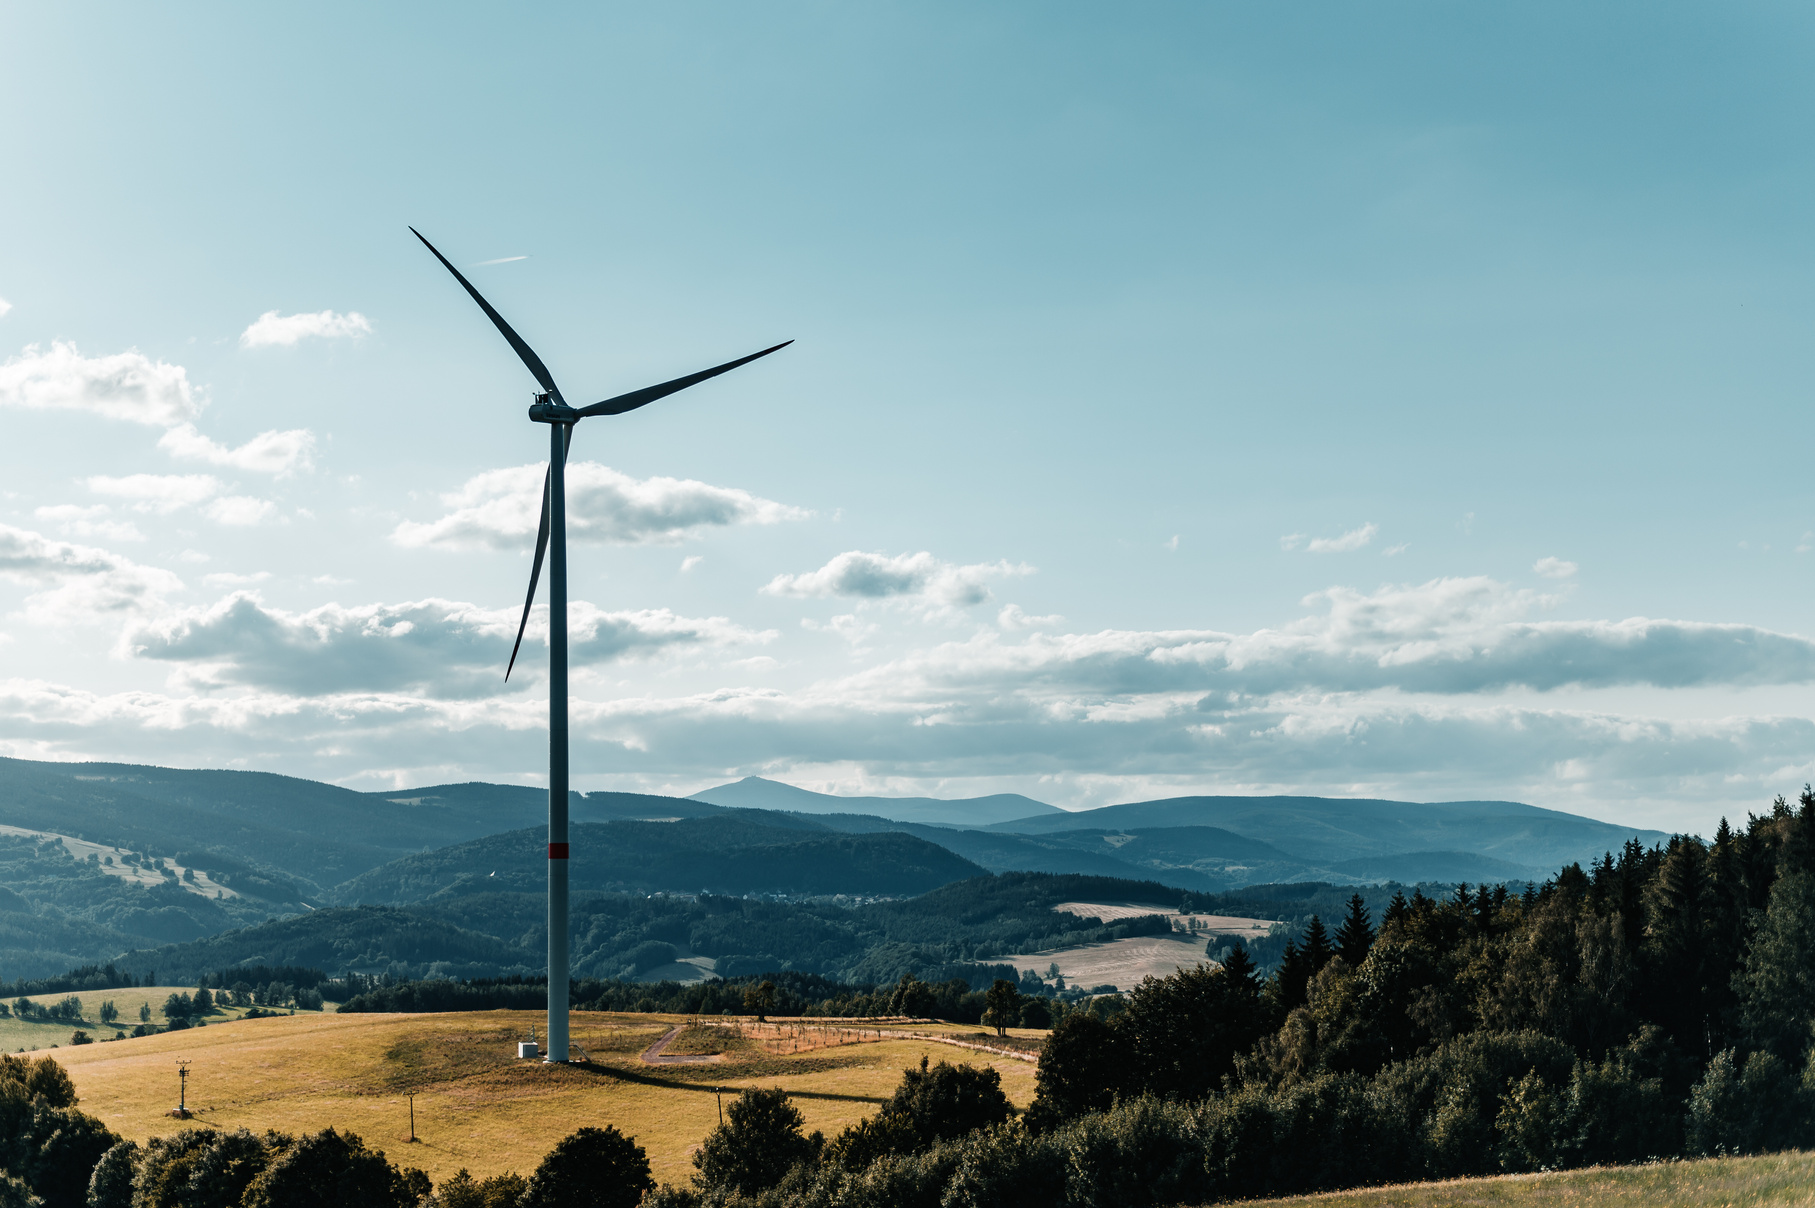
1013, 617
691, 561
1354, 539
227, 578
239, 511
5, 306
274, 330
442, 647
74, 520
79, 582
1554, 568
272, 452
919, 577
1393, 551
500, 509
127, 385
161, 493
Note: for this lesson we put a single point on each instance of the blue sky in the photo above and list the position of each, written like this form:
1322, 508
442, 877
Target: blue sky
1405, 400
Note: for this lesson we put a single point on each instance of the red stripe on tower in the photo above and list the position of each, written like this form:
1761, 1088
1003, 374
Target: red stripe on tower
557, 851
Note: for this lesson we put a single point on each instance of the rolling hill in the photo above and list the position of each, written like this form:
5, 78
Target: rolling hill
754, 792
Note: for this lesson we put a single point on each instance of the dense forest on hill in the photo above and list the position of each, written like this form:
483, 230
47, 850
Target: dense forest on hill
724, 855
623, 935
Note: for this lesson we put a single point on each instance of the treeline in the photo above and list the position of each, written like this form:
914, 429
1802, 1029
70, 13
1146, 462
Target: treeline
1658, 1004
959, 1000
88, 977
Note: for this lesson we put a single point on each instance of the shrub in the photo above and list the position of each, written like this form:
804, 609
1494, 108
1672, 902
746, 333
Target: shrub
759, 1142
328, 1169
591, 1168
110, 1183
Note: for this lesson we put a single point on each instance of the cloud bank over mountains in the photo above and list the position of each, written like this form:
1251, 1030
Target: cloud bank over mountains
1417, 689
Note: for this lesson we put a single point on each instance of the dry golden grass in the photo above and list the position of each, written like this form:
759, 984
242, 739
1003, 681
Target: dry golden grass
17, 1034
1119, 963
1773, 1181
476, 1105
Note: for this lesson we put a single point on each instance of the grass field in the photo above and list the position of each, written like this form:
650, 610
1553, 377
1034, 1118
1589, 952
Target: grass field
21, 1034
477, 1106
1762, 1182
1119, 963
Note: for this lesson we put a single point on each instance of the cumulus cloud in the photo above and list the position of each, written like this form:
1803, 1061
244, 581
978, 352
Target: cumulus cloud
240, 511
79, 582
1354, 539
127, 385
1447, 637
162, 493
274, 452
274, 330
500, 509
74, 520
5, 306
441, 647
166, 493
1554, 568
919, 577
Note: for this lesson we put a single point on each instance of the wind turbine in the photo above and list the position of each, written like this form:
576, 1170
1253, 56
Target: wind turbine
551, 409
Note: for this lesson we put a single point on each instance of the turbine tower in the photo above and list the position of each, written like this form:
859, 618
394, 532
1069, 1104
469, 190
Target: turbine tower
551, 540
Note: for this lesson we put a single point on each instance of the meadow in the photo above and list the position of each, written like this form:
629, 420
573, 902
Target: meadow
478, 1107
24, 1035
1783, 1180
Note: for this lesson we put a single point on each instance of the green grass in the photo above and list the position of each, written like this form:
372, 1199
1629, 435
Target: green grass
1768, 1181
25, 1035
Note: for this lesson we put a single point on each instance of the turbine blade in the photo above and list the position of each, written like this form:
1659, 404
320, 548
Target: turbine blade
535, 574
535, 570
524, 351
648, 394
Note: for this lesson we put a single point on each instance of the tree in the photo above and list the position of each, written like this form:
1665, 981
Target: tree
110, 1184
591, 1168
203, 1002
1002, 1006
1036, 1012
1081, 1069
145, 1012
760, 1000
109, 1013
15, 1194
913, 997
947, 1101
1183, 1033
1776, 982
500, 1191
328, 1169
200, 1168
759, 1142
1356, 935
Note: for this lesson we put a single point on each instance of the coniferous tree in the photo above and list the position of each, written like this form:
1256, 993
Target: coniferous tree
1316, 946
1356, 935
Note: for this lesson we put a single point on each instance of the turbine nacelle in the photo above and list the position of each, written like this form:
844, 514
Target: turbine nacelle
542, 411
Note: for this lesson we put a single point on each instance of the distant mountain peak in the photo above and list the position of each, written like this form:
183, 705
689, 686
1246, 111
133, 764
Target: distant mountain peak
757, 792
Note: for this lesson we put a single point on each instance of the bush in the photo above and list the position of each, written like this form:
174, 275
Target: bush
1754, 1106
110, 1184
759, 1142
500, 1191
329, 1169
591, 1168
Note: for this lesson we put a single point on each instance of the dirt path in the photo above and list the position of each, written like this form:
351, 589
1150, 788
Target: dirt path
653, 1054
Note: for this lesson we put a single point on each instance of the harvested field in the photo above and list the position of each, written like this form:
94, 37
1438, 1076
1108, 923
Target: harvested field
1119, 963
1208, 924
1769, 1181
479, 1107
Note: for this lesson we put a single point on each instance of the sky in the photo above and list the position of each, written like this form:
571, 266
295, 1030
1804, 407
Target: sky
1403, 400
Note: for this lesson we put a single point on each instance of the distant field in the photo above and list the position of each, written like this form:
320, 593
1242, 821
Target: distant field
1120, 963
479, 1107
1762, 1182
1208, 924
17, 1034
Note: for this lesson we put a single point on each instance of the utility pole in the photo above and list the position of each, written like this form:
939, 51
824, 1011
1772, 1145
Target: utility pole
182, 1094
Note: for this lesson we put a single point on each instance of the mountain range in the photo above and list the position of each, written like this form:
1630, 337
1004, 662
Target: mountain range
98, 859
